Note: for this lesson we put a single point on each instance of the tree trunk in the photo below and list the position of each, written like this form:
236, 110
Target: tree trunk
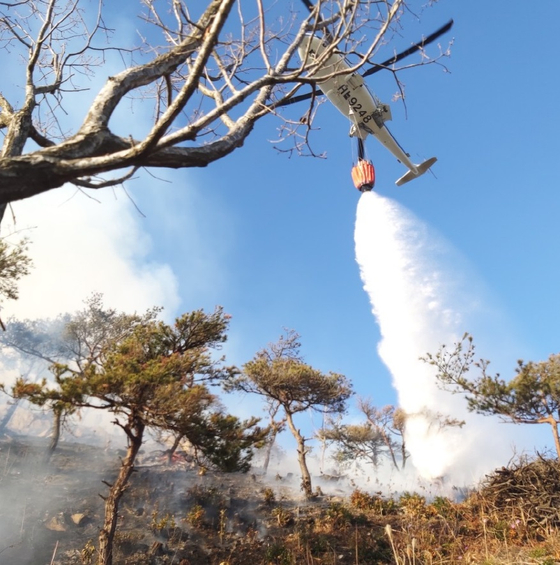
135, 431
171, 451
301, 452
554, 425
268, 451
7, 417
55, 437
404, 453
390, 448
19, 127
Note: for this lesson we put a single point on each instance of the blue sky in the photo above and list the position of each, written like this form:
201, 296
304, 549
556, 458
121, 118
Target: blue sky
283, 228
271, 238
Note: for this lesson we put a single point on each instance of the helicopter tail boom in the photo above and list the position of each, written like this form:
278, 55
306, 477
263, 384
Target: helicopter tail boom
413, 174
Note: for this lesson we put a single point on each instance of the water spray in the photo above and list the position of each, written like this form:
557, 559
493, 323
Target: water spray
419, 305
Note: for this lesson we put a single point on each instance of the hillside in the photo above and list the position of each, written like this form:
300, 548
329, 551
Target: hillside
178, 515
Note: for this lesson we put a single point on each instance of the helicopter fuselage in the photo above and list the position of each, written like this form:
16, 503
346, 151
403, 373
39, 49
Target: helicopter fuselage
347, 91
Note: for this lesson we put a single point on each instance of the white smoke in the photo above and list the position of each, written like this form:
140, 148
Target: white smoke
419, 305
80, 246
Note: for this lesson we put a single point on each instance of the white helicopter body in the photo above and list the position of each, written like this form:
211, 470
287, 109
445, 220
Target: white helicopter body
349, 93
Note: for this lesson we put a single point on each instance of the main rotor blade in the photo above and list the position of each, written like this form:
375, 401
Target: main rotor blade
308, 5
378, 67
297, 99
412, 49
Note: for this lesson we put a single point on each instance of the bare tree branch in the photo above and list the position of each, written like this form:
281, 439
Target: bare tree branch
217, 73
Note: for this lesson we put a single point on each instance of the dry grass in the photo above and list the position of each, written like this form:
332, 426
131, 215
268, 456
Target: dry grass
172, 516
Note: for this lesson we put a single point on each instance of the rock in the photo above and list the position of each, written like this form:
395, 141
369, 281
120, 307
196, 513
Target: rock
79, 518
56, 523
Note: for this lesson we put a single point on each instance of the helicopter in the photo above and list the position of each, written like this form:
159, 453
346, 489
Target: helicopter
350, 95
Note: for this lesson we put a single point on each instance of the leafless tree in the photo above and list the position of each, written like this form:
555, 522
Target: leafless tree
381, 435
207, 70
389, 422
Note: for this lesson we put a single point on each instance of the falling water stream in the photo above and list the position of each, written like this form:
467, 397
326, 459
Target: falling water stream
419, 302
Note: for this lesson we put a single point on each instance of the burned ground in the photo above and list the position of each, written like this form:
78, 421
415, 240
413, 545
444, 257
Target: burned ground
52, 513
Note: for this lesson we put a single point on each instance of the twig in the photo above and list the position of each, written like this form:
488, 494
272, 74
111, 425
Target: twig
389, 532
54, 552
